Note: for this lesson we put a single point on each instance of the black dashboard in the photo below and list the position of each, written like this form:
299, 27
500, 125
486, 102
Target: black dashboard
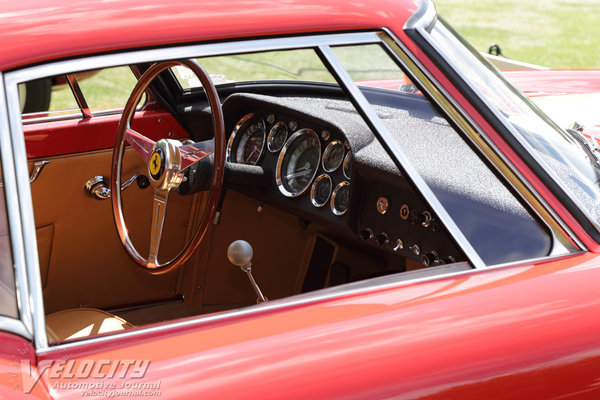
322, 163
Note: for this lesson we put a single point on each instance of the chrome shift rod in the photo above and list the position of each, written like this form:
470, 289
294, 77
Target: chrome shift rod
240, 254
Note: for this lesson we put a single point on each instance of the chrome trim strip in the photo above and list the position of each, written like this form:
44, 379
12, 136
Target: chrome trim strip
198, 50
562, 235
15, 326
393, 147
350, 289
31, 261
14, 220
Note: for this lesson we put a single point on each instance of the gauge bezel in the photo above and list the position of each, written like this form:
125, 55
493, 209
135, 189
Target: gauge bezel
284, 150
236, 130
272, 132
347, 161
334, 195
328, 150
313, 190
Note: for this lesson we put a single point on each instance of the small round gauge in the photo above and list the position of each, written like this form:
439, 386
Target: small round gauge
247, 141
348, 165
333, 156
298, 162
277, 137
340, 198
321, 190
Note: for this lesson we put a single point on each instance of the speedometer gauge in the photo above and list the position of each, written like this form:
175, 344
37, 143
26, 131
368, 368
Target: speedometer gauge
247, 141
298, 163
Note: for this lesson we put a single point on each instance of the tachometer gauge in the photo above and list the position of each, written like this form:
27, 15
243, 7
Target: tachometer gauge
347, 168
340, 198
321, 190
277, 137
298, 163
247, 141
333, 156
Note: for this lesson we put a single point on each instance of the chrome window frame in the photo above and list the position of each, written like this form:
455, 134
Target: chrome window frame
23, 326
319, 43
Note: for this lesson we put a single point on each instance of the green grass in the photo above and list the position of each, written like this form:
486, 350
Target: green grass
553, 33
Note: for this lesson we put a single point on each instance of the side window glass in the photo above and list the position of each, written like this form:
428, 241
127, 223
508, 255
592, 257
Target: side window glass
47, 97
107, 89
480, 204
8, 299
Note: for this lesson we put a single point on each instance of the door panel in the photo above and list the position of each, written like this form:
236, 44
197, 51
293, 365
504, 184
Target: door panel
82, 260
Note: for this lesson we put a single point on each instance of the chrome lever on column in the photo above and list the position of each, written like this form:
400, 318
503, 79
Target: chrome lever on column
97, 187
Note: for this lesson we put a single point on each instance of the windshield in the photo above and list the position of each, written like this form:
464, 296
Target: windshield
557, 151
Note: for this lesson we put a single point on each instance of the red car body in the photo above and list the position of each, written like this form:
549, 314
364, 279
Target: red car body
527, 330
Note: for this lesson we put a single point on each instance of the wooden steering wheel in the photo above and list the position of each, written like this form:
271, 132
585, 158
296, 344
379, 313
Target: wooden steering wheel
166, 160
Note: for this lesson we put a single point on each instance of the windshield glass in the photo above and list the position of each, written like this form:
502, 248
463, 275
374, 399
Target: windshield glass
557, 151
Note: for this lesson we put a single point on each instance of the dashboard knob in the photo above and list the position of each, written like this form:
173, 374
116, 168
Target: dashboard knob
365, 234
431, 258
381, 239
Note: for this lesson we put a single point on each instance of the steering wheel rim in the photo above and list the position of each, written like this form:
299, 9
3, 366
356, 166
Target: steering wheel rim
166, 161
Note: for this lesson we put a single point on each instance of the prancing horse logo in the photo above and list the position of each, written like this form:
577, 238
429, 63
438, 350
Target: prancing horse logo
155, 163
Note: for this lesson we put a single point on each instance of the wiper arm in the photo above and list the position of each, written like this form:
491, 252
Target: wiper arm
589, 146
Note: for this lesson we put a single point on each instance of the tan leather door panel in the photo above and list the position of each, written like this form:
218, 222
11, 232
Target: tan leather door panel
82, 260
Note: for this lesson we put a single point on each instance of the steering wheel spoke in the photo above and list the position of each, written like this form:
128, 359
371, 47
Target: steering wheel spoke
140, 143
193, 153
159, 210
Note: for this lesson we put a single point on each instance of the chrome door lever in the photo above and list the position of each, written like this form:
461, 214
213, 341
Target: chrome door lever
97, 187
38, 166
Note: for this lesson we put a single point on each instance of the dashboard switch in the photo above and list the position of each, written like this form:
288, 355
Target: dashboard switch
365, 234
381, 239
431, 258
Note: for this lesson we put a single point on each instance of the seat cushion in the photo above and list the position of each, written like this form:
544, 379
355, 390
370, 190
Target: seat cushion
82, 322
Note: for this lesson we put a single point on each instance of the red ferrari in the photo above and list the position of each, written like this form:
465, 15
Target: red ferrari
289, 200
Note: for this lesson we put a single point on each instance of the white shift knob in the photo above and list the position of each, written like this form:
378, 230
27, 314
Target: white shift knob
240, 253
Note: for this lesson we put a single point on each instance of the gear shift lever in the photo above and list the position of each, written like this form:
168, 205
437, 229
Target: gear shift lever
240, 254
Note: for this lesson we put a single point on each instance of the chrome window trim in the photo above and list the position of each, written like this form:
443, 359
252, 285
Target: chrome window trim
31, 282
24, 325
16, 326
316, 42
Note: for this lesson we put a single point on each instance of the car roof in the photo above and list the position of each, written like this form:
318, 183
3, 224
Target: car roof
36, 31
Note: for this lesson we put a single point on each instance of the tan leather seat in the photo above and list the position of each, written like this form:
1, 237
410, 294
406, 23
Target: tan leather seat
82, 322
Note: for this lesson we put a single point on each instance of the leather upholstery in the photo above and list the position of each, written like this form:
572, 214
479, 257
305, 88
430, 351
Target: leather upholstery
82, 322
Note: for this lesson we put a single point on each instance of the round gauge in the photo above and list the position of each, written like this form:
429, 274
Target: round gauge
247, 140
298, 162
340, 198
333, 156
348, 165
277, 137
320, 190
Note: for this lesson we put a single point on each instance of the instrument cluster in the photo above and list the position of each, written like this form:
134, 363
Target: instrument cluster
307, 159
